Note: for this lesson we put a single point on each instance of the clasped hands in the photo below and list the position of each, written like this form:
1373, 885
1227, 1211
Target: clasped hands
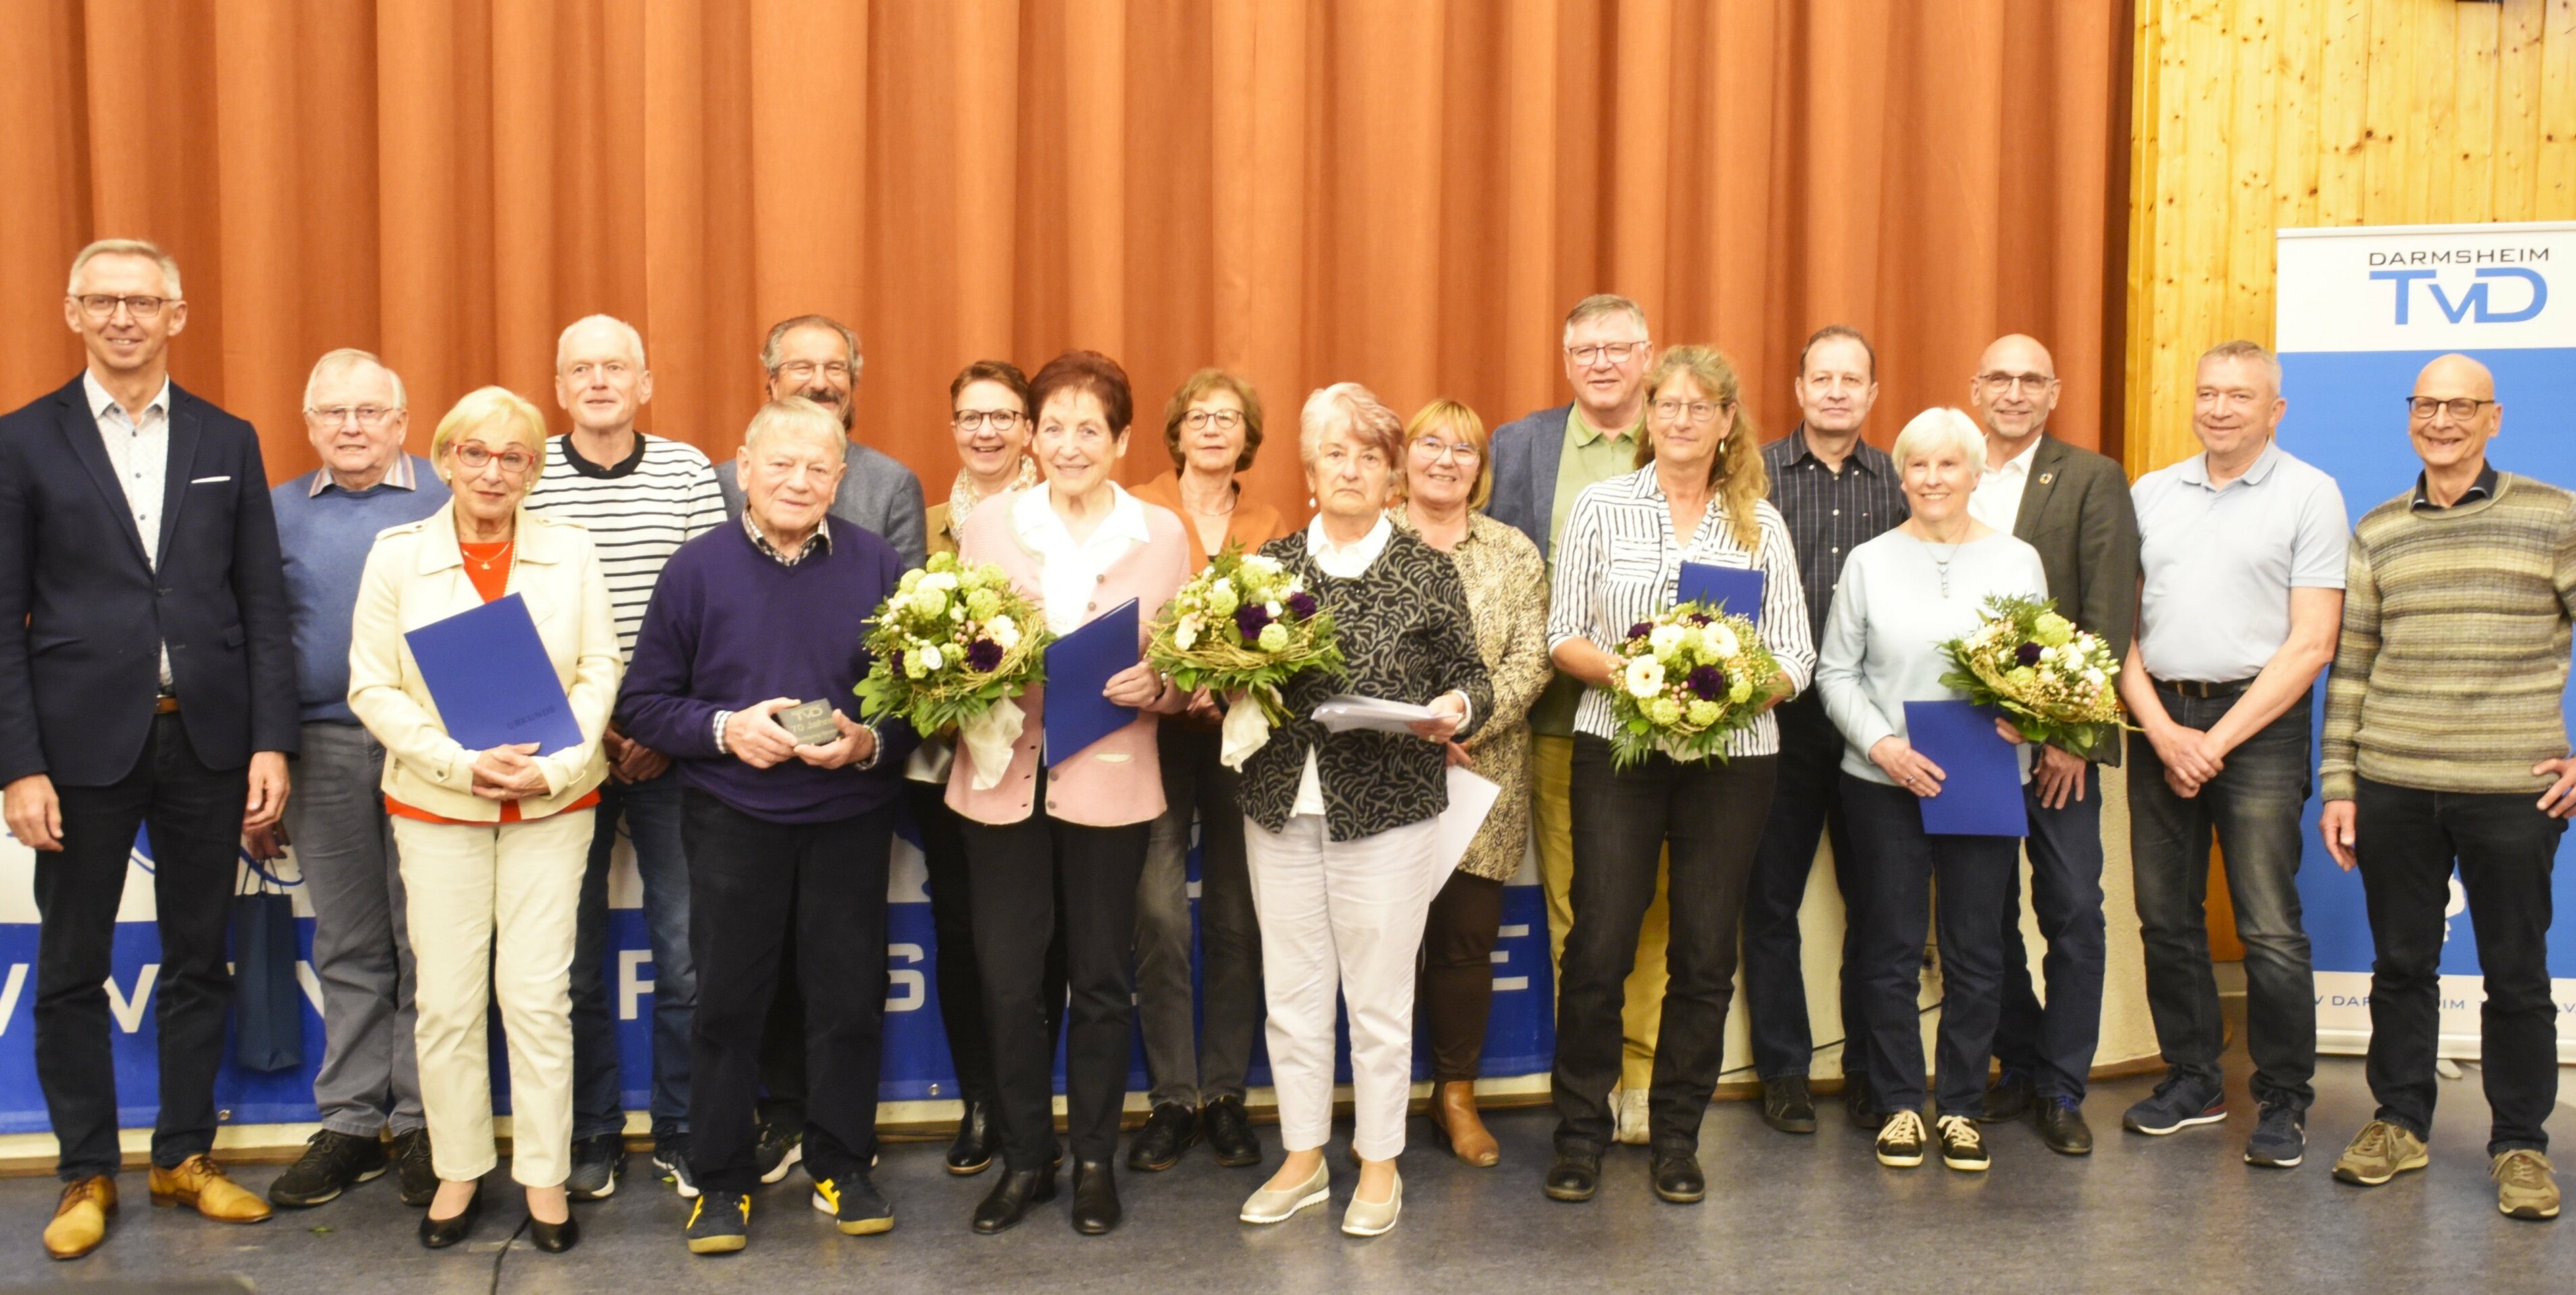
761, 742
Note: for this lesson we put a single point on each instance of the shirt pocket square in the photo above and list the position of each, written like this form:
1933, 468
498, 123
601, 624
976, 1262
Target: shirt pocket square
208, 481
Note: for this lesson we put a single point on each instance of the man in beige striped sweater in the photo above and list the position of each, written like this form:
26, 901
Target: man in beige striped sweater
2444, 745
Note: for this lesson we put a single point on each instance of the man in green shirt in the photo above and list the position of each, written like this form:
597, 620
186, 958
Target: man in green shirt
1541, 463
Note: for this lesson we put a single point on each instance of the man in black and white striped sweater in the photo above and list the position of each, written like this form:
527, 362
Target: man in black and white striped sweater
641, 497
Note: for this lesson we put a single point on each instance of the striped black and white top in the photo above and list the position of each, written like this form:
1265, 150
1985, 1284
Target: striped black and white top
638, 511
1620, 563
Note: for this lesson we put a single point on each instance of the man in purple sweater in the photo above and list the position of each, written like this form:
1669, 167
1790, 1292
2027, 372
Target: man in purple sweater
748, 620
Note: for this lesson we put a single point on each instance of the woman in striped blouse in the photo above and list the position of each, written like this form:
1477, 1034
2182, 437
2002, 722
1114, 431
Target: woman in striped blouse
1697, 496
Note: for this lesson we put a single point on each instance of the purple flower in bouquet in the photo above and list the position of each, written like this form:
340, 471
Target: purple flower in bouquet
1701, 618
2027, 654
1641, 629
1302, 605
983, 656
895, 659
1707, 682
1250, 619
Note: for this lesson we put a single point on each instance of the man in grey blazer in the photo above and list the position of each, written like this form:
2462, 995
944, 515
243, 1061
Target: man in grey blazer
817, 357
2073, 506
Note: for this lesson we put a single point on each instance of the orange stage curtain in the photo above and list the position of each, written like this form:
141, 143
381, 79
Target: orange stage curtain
1407, 193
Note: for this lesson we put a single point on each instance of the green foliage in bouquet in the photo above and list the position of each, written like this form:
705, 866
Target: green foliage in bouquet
1686, 682
1245, 624
2058, 684
949, 643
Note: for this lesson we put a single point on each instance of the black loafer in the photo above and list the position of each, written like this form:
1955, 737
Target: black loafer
1575, 1176
555, 1238
1859, 1106
1095, 1198
972, 1152
1786, 1105
1677, 1178
1010, 1199
439, 1234
1229, 1133
2062, 1127
2009, 1099
1170, 1130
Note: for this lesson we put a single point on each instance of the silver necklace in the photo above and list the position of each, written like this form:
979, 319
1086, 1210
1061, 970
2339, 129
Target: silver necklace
1941, 565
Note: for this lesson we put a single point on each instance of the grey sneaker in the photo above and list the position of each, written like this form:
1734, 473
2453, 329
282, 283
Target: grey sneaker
597, 1163
2280, 1138
2179, 1102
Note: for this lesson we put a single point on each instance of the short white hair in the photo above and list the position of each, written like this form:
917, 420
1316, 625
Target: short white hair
334, 363
792, 416
127, 247
634, 340
1348, 405
1935, 430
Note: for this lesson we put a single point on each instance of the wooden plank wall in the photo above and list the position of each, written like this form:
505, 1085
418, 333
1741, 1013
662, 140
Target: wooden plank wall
2256, 115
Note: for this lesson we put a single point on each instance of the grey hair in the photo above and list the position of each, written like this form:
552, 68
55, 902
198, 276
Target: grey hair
1367, 416
792, 415
1939, 429
2249, 352
1601, 304
127, 247
778, 333
634, 340
350, 357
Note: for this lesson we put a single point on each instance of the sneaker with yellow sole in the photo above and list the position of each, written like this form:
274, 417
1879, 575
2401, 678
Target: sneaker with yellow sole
2526, 1187
719, 1222
2379, 1152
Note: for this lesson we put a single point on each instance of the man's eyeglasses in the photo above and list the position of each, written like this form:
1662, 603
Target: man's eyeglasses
367, 415
2001, 383
102, 305
1605, 352
801, 370
1698, 411
2422, 408
474, 458
1224, 420
974, 420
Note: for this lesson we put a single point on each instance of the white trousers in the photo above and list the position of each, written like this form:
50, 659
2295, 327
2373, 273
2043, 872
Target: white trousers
492, 915
1343, 915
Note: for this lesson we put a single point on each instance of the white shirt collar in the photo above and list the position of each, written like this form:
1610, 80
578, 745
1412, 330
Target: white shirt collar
1034, 519
1352, 560
2019, 464
100, 402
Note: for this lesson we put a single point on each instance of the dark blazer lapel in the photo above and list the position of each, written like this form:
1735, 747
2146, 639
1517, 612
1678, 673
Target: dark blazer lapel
185, 424
80, 427
2045, 468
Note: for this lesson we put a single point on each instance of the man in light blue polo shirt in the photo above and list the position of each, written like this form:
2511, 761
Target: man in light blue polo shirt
2242, 552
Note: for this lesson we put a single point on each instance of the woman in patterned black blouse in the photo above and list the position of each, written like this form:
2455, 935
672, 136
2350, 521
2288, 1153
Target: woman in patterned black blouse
1340, 826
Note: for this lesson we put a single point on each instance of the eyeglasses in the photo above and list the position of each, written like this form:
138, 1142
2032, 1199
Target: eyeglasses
1000, 420
1604, 352
367, 415
102, 305
1224, 420
2422, 408
801, 370
1698, 411
1432, 449
473, 458
2001, 383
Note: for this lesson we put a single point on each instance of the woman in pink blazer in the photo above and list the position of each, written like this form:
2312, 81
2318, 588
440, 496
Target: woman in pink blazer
1077, 545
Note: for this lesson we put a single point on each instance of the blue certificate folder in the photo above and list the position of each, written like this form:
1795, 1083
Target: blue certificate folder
1737, 589
494, 685
1982, 794
1078, 666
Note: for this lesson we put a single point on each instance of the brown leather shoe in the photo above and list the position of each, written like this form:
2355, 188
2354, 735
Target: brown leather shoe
1453, 1113
80, 1218
200, 1182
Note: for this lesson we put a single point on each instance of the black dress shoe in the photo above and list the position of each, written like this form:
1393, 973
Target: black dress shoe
1010, 1199
1095, 1198
2009, 1099
2062, 1127
1229, 1133
1169, 1131
1575, 1176
1677, 1178
972, 1152
439, 1234
1786, 1105
1859, 1106
555, 1238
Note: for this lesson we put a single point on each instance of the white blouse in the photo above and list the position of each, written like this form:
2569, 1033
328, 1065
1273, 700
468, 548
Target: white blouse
1069, 570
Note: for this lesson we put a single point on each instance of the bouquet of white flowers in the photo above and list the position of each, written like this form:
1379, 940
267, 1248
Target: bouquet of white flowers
1244, 625
2056, 683
1686, 681
953, 645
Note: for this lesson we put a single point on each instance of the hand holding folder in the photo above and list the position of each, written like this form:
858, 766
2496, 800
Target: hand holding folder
1981, 794
1080, 665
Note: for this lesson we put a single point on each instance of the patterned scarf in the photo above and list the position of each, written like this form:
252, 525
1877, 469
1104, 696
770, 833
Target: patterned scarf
962, 497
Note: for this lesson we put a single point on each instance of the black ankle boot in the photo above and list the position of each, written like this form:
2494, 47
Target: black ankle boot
972, 1152
1011, 1198
1095, 1198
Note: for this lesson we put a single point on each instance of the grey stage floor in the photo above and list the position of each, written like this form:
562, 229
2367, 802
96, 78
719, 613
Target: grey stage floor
1784, 1213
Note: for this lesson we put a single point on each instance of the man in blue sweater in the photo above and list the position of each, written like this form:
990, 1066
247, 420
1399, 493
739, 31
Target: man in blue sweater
326, 522
748, 620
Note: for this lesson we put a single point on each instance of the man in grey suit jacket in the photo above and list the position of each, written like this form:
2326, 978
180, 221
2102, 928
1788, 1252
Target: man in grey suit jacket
817, 357
2073, 506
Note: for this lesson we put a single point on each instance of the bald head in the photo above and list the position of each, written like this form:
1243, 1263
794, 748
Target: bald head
2450, 417
2014, 392
2453, 376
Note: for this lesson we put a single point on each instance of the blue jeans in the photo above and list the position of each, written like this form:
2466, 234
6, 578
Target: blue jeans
651, 811
2054, 1045
2253, 807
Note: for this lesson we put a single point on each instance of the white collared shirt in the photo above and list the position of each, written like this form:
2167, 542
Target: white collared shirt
1997, 499
140, 452
1070, 572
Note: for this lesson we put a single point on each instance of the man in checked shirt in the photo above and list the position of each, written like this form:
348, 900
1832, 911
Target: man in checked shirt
1835, 491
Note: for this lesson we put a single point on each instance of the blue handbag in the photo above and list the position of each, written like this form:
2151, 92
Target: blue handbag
268, 1016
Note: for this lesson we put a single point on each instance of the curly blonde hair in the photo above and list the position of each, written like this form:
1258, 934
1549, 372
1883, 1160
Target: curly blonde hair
1736, 470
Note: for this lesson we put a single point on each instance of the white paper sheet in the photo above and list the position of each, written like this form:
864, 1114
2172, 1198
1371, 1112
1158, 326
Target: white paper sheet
1346, 712
1471, 798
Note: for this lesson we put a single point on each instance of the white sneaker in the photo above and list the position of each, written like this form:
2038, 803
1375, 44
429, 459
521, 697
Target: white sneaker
1628, 1106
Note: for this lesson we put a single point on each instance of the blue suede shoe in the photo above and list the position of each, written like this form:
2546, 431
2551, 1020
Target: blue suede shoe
2280, 1140
2178, 1103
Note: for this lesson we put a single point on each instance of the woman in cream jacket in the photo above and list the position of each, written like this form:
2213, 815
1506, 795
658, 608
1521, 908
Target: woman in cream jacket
492, 843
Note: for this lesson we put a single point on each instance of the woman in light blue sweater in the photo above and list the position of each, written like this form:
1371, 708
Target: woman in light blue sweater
1902, 595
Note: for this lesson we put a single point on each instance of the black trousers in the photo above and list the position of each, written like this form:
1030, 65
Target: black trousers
1455, 992
2504, 848
195, 817
1033, 880
1708, 813
1806, 803
749, 881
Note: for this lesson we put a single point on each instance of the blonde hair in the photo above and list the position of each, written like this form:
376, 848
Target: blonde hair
1736, 470
127, 247
795, 414
1601, 305
483, 407
1937, 429
350, 357
1451, 416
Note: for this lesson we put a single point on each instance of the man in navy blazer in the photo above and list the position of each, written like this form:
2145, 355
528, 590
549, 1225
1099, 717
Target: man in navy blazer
147, 675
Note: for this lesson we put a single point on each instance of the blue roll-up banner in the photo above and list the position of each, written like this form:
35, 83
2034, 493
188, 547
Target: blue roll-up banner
1521, 1039
2360, 312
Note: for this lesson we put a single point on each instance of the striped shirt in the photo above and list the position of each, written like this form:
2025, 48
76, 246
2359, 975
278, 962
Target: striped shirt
1831, 513
1619, 563
638, 511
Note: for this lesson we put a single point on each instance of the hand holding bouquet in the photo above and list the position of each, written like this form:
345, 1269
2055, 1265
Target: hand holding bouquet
1686, 681
1244, 625
2055, 683
953, 645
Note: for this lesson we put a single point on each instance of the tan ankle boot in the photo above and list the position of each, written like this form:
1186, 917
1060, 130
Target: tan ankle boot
1453, 1112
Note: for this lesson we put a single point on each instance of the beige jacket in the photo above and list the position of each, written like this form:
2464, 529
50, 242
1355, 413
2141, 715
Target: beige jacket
416, 575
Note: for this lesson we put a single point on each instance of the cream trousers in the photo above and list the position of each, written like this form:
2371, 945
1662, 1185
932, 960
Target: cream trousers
492, 917
1347, 916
